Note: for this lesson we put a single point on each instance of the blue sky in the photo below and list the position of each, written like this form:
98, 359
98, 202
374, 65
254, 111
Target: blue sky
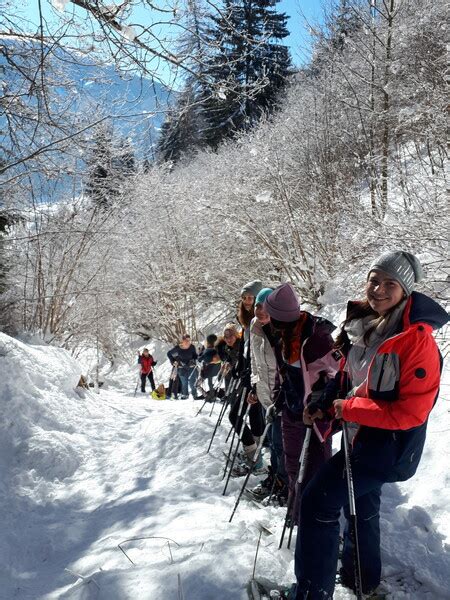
301, 12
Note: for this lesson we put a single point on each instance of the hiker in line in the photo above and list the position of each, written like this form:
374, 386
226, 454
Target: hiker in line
184, 355
210, 361
387, 385
263, 378
306, 363
147, 363
251, 434
227, 348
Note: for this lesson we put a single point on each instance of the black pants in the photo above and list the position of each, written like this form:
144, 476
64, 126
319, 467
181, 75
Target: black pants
256, 419
144, 379
174, 385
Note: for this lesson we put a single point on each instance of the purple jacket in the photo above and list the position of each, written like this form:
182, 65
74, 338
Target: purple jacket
318, 364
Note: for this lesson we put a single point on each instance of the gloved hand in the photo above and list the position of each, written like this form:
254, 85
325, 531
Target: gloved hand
271, 413
311, 412
155, 362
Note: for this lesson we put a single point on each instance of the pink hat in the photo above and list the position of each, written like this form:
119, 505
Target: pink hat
283, 303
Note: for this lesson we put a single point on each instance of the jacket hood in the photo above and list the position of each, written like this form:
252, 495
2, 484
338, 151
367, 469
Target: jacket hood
423, 309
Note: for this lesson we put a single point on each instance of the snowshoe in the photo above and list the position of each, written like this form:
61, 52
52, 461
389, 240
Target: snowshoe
262, 589
240, 470
343, 579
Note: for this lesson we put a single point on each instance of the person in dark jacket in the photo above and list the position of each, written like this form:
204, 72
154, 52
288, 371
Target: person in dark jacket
147, 363
252, 433
306, 363
210, 361
228, 347
184, 355
387, 385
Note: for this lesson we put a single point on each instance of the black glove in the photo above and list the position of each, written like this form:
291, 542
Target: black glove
271, 413
312, 407
155, 362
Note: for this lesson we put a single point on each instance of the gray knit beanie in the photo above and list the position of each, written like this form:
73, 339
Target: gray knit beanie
253, 288
402, 266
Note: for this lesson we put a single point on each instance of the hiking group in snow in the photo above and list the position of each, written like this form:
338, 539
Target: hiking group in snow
290, 384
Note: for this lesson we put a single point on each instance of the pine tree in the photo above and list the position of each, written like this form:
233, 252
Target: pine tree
182, 131
240, 67
249, 69
112, 162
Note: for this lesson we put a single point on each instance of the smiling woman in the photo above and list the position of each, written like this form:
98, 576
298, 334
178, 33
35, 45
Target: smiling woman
387, 385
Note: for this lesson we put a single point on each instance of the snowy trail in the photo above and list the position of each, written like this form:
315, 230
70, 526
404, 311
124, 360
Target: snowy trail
135, 467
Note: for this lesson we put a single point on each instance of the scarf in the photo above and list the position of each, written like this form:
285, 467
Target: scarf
362, 352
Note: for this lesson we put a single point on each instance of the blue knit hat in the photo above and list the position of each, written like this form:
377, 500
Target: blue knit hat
262, 295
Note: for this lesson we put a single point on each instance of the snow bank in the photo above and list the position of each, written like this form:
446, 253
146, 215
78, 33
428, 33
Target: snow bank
38, 402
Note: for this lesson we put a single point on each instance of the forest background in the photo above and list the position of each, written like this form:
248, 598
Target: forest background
226, 160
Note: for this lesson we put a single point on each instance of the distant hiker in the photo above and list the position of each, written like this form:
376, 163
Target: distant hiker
387, 385
184, 355
147, 363
306, 363
159, 393
210, 361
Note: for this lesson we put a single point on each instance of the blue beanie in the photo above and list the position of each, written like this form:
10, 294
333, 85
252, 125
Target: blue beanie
262, 295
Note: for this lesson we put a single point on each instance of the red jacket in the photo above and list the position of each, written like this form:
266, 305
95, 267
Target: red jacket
393, 404
402, 382
146, 363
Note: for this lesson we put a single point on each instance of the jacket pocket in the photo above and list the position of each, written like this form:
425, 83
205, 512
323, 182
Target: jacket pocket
384, 376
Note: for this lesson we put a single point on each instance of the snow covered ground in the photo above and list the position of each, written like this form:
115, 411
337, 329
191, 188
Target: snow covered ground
81, 478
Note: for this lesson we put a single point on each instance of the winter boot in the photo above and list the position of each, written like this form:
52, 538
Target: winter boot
264, 487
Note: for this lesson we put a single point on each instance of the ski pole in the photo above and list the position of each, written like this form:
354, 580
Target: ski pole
234, 430
301, 476
201, 408
233, 390
137, 385
352, 510
241, 431
299, 480
250, 471
215, 389
239, 440
219, 418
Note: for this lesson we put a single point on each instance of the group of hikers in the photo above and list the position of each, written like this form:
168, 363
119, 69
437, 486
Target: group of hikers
288, 379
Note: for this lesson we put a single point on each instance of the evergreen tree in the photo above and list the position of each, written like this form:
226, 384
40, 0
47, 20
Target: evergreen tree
182, 131
249, 69
240, 67
111, 163
345, 20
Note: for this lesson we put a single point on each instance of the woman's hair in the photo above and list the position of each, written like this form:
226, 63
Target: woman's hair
359, 310
245, 316
231, 327
286, 332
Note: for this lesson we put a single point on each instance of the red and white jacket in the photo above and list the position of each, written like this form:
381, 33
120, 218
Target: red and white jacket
393, 403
